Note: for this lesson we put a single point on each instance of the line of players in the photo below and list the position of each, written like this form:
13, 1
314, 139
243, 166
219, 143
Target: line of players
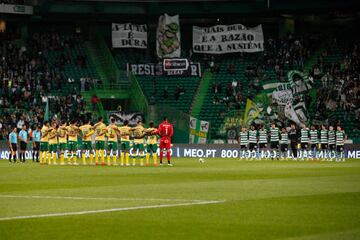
320, 144
53, 140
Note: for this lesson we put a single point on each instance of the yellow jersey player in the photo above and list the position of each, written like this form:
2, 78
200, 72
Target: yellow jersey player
44, 143
100, 131
53, 143
86, 132
62, 130
151, 143
112, 139
138, 147
124, 132
72, 132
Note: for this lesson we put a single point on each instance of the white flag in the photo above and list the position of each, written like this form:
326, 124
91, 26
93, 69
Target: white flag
129, 35
168, 37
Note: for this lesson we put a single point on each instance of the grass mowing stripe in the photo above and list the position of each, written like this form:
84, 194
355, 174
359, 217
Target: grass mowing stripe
109, 210
102, 198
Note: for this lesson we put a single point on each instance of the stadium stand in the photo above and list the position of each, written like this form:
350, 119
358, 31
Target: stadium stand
66, 54
178, 92
337, 71
46, 66
237, 78
61, 65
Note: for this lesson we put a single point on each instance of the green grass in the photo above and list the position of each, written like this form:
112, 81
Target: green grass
262, 200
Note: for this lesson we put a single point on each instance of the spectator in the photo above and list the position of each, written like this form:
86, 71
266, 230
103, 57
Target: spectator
94, 101
82, 83
231, 68
178, 92
165, 93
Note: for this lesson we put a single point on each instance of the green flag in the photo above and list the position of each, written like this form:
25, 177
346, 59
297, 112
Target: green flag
46, 116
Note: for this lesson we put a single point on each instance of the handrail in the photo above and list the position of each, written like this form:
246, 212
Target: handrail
142, 102
116, 86
113, 70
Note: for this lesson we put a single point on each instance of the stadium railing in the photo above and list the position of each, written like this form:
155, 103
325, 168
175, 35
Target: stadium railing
140, 102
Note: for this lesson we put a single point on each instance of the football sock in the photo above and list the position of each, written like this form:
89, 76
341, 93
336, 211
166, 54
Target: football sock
69, 158
108, 159
62, 158
97, 156
155, 158
114, 159
54, 158
122, 158
141, 161
168, 156
127, 158
74, 158
91, 157
147, 158
102, 152
134, 160
48, 156
41, 157
161, 155
83, 158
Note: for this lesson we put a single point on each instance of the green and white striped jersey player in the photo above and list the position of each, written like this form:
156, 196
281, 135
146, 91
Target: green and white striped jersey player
274, 140
243, 138
274, 136
314, 140
331, 138
323, 142
253, 138
323, 138
263, 135
284, 142
304, 141
340, 141
314, 137
304, 137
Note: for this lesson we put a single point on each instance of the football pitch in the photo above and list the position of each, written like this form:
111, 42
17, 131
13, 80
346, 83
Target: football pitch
219, 199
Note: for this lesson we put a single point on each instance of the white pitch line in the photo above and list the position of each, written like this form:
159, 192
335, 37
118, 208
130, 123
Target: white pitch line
101, 198
109, 210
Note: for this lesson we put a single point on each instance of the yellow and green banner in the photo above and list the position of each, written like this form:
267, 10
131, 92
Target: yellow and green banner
251, 113
198, 130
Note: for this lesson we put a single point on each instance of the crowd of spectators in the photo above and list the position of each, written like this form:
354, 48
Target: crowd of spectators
339, 82
28, 79
279, 56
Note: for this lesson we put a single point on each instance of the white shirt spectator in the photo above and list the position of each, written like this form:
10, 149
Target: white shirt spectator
234, 83
44, 99
82, 83
316, 71
20, 123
